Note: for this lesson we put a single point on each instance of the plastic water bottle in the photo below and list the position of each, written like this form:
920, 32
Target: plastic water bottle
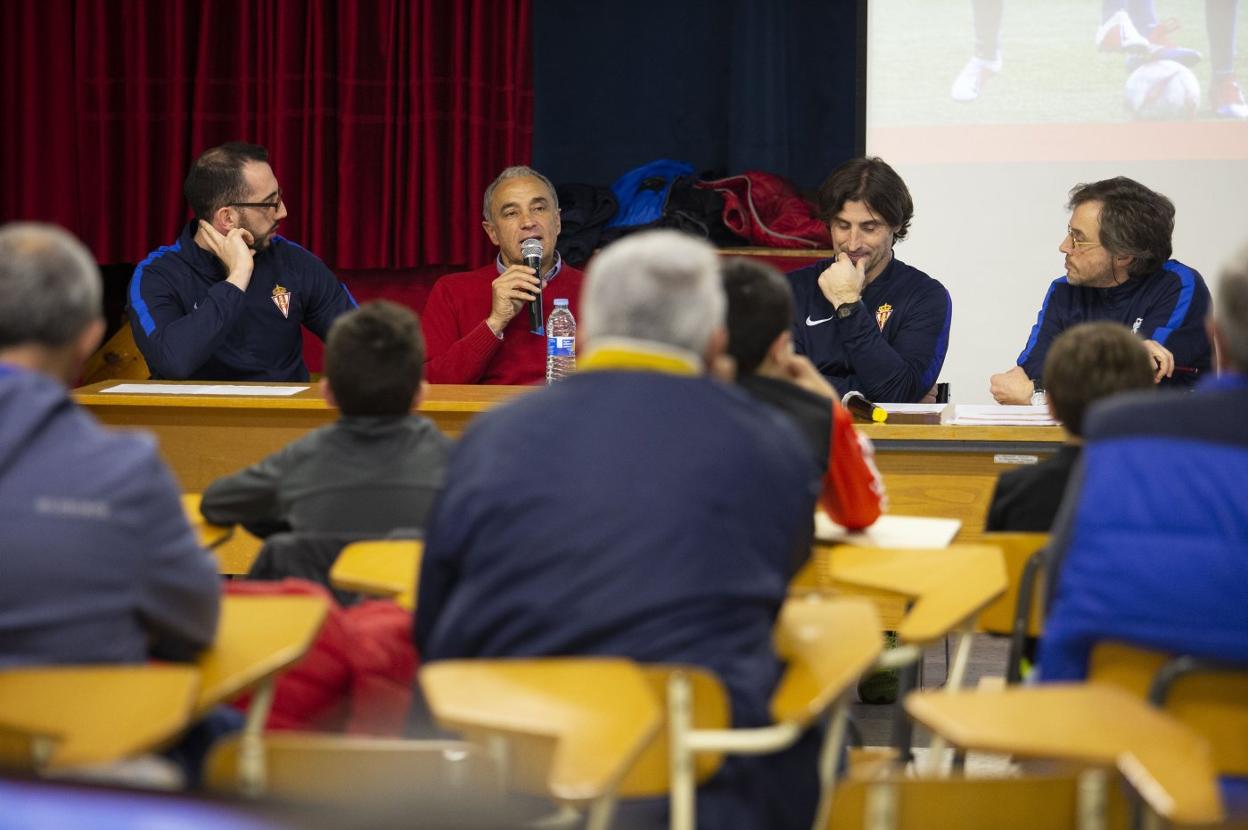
560, 342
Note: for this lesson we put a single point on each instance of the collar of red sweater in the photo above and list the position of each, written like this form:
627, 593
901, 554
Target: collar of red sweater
627, 355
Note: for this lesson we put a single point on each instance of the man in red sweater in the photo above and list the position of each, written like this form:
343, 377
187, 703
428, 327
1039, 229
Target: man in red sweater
477, 327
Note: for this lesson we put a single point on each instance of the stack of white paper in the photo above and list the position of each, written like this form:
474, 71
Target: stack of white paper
891, 532
996, 415
203, 389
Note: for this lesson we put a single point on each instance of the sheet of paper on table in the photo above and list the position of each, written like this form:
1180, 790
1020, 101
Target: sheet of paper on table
891, 532
916, 413
997, 415
203, 389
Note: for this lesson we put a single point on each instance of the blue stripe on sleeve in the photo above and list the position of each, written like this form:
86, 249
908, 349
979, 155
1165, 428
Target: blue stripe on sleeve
1035, 330
942, 347
136, 288
1187, 281
350, 296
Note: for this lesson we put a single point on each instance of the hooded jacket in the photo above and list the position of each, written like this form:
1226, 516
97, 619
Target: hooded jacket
99, 563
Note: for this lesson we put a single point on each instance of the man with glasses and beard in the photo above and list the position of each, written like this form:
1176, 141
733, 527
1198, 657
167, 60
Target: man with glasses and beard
1118, 269
227, 300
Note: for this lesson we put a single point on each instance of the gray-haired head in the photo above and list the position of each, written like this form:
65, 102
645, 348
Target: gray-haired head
50, 287
516, 172
660, 286
1230, 313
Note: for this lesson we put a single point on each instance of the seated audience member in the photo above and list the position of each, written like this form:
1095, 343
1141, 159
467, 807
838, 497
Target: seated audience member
760, 340
477, 322
1118, 269
228, 299
868, 321
99, 562
1151, 547
639, 508
1087, 362
377, 468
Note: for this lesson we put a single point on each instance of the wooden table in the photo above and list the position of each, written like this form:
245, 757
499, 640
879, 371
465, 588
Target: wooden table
205, 437
951, 471
930, 470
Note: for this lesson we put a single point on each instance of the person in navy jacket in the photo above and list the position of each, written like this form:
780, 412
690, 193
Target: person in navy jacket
229, 298
1118, 268
869, 322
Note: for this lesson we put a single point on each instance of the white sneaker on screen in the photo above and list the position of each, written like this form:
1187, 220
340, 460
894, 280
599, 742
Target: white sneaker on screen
970, 81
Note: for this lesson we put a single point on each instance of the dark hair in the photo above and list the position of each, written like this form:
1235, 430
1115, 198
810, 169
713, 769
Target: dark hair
1091, 361
760, 308
872, 181
375, 359
1135, 221
216, 177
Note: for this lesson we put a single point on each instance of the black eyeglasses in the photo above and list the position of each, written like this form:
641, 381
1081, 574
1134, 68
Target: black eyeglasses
273, 205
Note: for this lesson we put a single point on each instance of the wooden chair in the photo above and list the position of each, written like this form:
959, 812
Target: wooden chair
76, 715
384, 568
210, 535
358, 771
1019, 613
258, 637
1051, 802
567, 728
1208, 697
117, 359
1169, 765
826, 644
945, 588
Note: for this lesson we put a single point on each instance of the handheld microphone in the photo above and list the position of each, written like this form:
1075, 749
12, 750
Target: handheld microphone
861, 408
531, 251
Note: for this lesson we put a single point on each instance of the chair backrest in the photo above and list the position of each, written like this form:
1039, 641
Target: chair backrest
339, 769
257, 637
568, 728
1028, 803
98, 714
380, 567
1212, 702
1016, 548
118, 359
650, 775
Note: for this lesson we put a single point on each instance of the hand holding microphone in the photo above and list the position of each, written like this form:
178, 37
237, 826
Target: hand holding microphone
531, 251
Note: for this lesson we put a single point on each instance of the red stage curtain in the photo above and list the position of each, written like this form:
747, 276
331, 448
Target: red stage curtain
385, 119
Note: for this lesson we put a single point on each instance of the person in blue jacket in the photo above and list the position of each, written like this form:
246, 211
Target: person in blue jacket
98, 562
1151, 546
228, 299
868, 321
1118, 269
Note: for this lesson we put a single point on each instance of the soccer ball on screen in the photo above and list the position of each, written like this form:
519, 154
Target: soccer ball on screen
1163, 91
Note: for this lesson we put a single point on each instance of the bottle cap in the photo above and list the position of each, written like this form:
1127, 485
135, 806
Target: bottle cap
561, 301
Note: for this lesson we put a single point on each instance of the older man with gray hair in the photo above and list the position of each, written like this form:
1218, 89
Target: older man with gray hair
1151, 548
100, 564
640, 508
476, 327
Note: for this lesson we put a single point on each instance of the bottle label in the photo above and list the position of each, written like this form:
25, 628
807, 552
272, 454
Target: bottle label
560, 346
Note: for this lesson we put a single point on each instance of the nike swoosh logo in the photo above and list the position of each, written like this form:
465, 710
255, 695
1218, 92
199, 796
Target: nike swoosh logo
811, 322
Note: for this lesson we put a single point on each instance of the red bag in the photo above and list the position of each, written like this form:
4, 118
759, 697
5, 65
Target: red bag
767, 210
